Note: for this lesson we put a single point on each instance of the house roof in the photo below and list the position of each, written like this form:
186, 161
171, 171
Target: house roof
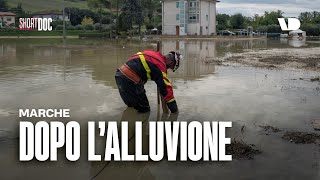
7, 14
52, 12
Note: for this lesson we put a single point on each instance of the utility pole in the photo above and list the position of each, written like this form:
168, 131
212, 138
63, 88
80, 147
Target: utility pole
64, 22
117, 21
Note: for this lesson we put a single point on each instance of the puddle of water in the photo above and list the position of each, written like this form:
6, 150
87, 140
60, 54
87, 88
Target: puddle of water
51, 74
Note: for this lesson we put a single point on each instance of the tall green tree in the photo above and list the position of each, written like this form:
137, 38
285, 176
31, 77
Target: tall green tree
237, 21
20, 13
151, 9
271, 18
76, 15
132, 14
305, 17
4, 5
99, 6
223, 21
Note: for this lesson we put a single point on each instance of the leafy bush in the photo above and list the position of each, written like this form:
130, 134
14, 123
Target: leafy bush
71, 27
88, 27
87, 20
270, 29
123, 34
95, 35
106, 20
149, 26
97, 26
79, 27
311, 29
107, 27
59, 27
54, 24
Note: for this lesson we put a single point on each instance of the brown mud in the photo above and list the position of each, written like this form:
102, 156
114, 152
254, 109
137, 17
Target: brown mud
303, 58
241, 150
270, 128
301, 137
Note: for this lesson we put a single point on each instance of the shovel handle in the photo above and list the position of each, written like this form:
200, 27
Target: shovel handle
163, 103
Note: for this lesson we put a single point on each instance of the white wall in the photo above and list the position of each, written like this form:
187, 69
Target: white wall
208, 26
169, 12
193, 28
5, 19
212, 18
169, 22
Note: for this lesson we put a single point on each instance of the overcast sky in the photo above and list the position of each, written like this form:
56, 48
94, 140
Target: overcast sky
291, 8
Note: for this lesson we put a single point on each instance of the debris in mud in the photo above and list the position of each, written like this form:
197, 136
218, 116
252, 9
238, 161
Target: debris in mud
315, 79
271, 67
316, 124
301, 137
270, 128
215, 61
279, 58
241, 150
274, 60
311, 79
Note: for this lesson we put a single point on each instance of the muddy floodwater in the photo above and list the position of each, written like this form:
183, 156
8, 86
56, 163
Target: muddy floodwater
79, 75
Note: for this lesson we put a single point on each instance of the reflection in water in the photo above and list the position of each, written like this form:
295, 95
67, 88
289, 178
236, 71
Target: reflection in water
136, 170
193, 52
7, 50
294, 42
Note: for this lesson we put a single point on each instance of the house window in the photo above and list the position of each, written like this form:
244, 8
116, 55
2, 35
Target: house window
193, 4
178, 4
8, 18
177, 17
193, 11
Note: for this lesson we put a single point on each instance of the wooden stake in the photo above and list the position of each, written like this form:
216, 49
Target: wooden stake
163, 103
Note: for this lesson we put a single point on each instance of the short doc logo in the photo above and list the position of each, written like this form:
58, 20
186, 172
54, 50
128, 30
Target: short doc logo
39, 24
293, 24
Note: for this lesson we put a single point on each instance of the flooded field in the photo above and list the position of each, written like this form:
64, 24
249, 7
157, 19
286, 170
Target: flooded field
215, 82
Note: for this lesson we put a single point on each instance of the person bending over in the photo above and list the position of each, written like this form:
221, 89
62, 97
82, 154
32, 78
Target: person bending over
141, 67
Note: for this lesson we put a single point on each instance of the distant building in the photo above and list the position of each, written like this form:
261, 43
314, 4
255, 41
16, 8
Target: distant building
55, 15
189, 17
7, 19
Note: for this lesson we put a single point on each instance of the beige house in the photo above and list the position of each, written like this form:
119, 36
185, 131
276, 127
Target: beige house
7, 19
189, 17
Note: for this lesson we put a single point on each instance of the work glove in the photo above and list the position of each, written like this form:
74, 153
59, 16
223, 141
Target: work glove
173, 106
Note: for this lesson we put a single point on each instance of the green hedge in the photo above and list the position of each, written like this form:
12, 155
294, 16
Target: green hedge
17, 32
94, 35
311, 29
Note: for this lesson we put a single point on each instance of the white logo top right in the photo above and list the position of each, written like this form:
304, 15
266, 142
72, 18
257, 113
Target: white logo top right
293, 24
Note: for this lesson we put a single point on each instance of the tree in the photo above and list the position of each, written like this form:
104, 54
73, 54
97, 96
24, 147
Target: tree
305, 17
132, 13
151, 9
223, 21
87, 20
237, 21
76, 15
4, 5
20, 13
271, 18
310, 17
98, 6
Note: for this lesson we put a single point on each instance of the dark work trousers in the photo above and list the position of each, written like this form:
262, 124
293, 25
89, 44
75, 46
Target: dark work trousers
132, 94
